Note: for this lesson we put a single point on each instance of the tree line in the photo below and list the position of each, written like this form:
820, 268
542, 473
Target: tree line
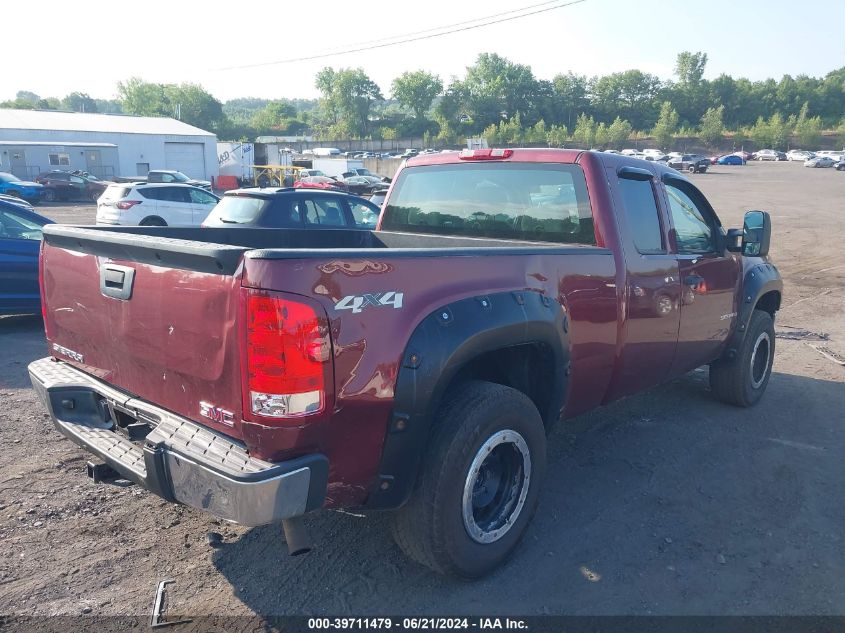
504, 102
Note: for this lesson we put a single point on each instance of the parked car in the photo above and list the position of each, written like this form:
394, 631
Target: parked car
20, 243
769, 154
364, 185
292, 208
154, 205
730, 159
834, 154
746, 156
267, 373
820, 161
799, 154
840, 164
320, 182
65, 185
692, 163
356, 171
167, 176
378, 198
11, 185
307, 173
16, 201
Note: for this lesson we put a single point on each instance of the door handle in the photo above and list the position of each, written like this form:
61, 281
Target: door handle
116, 281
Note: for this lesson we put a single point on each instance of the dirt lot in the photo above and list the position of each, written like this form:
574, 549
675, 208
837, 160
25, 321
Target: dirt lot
665, 503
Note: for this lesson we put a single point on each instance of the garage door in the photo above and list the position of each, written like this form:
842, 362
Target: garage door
189, 158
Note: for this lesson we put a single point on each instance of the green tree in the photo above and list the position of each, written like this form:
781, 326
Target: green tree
585, 131
495, 89
689, 67
557, 136
602, 136
491, 133
712, 128
840, 132
190, 103
416, 91
143, 98
779, 131
348, 96
537, 133
666, 126
618, 132
276, 115
760, 133
194, 105
807, 130
79, 102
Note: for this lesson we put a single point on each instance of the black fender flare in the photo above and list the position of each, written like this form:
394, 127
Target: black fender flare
758, 280
444, 342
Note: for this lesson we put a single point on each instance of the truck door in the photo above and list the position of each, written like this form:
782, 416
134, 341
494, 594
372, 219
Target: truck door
652, 294
709, 276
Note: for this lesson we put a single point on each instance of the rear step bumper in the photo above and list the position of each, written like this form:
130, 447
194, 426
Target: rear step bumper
180, 461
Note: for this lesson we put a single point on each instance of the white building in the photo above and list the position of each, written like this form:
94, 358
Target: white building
106, 145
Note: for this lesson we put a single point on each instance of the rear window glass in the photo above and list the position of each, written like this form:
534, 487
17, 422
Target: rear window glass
525, 201
237, 210
115, 192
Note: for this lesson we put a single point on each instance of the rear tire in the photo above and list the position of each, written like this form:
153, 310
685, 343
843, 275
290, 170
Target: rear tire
742, 380
479, 483
49, 195
154, 221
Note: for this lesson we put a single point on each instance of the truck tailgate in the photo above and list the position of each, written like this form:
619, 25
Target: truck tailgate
157, 321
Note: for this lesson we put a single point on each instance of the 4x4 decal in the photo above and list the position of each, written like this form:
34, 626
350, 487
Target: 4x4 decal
356, 303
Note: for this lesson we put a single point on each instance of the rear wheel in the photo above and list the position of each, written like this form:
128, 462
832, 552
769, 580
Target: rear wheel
153, 221
49, 195
742, 380
94, 196
479, 484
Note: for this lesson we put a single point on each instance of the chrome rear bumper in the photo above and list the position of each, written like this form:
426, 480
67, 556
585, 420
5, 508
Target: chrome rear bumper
179, 460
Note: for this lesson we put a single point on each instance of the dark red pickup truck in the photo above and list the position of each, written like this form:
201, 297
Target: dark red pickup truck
260, 374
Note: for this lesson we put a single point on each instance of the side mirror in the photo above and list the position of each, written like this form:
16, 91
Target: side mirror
756, 234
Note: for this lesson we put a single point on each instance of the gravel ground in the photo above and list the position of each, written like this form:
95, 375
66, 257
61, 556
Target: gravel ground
664, 503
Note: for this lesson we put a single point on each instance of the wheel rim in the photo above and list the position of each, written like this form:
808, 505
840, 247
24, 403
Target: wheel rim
496, 486
760, 359
49, 195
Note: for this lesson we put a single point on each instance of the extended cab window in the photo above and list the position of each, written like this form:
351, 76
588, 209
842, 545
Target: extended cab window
642, 214
694, 229
541, 202
237, 210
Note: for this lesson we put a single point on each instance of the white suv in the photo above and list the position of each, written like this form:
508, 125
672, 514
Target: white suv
154, 205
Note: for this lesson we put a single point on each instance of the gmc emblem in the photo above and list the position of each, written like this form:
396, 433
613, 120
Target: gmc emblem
216, 414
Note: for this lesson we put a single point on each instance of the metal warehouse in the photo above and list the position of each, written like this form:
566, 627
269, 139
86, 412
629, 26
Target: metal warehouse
106, 145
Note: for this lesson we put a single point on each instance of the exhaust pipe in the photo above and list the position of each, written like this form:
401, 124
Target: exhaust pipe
296, 536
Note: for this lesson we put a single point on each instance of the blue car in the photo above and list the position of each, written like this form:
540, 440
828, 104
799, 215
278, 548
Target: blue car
730, 159
20, 242
11, 185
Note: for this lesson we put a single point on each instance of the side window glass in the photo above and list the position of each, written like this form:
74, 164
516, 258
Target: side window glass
151, 193
15, 226
324, 212
642, 214
77, 180
693, 233
201, 197
178, 194
364, 215
166, 178
330, 212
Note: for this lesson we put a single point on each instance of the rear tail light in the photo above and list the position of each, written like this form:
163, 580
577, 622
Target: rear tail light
127, 204
286, 358
485, 154
41, 289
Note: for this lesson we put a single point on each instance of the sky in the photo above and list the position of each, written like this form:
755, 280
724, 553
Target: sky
91, 46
